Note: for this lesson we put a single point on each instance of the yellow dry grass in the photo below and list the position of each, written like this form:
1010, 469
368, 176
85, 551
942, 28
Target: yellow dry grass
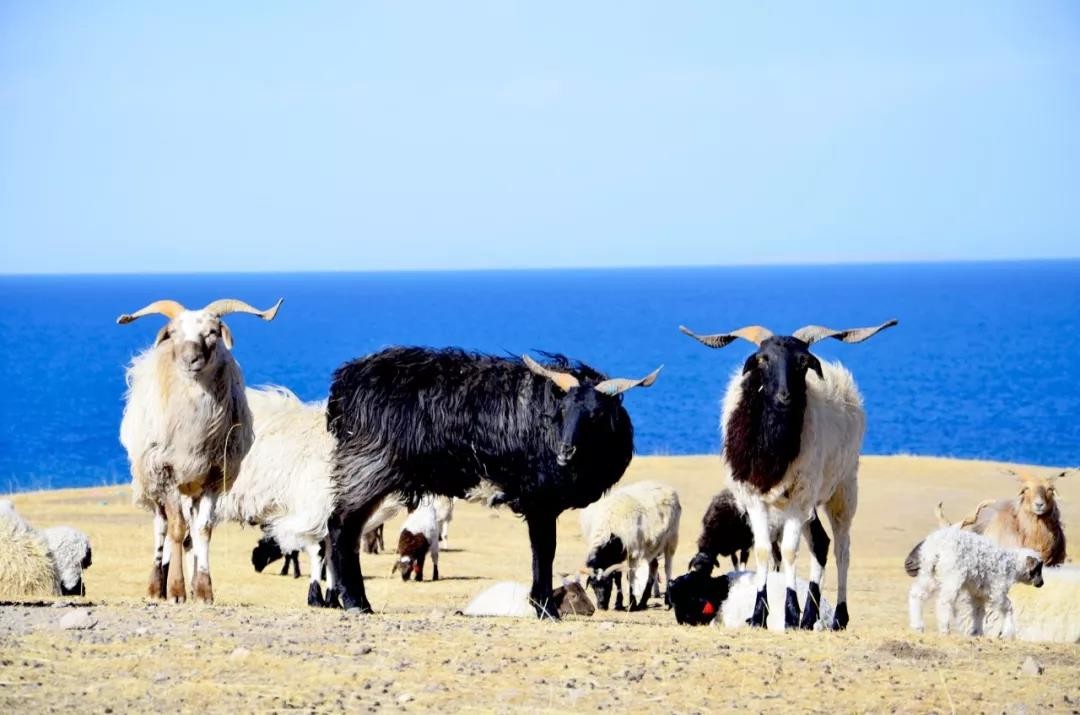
260, 649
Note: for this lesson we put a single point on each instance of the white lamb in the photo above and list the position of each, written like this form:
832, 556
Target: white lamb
629, 530
953, 562
738, 607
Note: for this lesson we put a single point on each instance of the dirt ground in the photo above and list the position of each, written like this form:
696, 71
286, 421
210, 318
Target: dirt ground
259, 648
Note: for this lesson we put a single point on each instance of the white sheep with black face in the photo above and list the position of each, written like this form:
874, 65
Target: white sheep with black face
186, 428
70, 550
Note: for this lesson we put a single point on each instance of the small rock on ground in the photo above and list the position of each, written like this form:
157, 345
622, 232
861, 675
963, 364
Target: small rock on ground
1031, 667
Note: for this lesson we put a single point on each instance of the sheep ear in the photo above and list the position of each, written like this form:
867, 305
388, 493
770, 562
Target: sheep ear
226, 335
162, 335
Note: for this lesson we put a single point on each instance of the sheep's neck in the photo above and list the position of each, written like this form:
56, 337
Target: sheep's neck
761, 440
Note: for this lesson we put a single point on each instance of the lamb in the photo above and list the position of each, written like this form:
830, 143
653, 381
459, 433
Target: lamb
1031, 520
953, 562
267, 552
699, 599
419, 537
71, 555
793, 426
186, 429
511, 599
629, 530
538, 438
26, 567
725, 531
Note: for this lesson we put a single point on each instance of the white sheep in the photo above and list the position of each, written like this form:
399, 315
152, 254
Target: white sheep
71, 555
419, 537
954, 563
1051, 613
793, 427
629, 530
738, 607
186, 428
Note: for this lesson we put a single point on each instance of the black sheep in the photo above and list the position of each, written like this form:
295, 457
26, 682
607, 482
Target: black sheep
540, 439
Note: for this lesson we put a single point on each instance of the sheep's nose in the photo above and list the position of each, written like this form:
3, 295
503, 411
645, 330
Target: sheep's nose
1040, 506
565, 454
783, 397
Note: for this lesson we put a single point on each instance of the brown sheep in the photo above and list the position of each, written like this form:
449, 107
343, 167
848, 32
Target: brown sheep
1030, 520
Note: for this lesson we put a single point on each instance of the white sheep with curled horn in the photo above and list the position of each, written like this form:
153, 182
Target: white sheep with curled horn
793, 427
186, 428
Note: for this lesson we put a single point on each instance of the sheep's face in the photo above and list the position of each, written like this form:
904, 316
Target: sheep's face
408, 566
1038, 496
778, 369
697, 598
580, 408
572, 600
1031, 571
603, 568
198, 339
264, 553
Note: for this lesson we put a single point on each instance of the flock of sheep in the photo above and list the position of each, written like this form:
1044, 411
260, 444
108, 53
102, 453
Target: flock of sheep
414, 428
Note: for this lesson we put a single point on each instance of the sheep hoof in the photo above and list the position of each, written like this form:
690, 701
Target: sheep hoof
156, 588
841, 620
314, 595
811, 614
791, 609
761, 610
359, 609
331, 599
201, 588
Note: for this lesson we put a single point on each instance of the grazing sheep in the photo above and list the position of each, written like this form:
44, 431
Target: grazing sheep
540, 439
419, 537
186, 428
629, 530
26, 567
511, 599
267, 552
725, 531
71, 555
699, 599
793, 426
953, 562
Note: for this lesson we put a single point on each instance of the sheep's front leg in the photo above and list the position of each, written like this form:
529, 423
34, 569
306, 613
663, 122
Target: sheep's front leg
542, 540
920, 591
156, 587
639, 581
176, 589
202, 527
331, 598
1004, 609
314, 594
789, 547
669, 556
758, 516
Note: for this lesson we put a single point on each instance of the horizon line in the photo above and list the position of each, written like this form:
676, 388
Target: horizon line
542, 269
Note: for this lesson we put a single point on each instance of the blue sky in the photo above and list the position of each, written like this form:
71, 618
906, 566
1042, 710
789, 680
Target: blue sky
306, 136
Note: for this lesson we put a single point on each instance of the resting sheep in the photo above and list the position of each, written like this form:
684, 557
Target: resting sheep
539, 438
511, 599
629, 530
700, 599
186, 429
954, 563
793, 427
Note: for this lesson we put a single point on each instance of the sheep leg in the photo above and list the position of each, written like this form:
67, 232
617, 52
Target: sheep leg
296, 564
669, 556
758, 516
156, 587
345, 530
639, 582
285, 565
175, 589
789, 547
920, 591
654, 565
314, 594
819, 550
978, 614
841, 511
542, 540
202, 527
1004, 609
331, 598
946, 606
616, 579
435, 561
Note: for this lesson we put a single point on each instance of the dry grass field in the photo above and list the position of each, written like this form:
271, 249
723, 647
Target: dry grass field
259, 648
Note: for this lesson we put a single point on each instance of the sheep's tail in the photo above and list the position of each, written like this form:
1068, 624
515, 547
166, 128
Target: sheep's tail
911, 563
969, 521
940, 514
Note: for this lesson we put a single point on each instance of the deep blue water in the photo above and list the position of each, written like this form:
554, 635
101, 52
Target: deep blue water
983, 364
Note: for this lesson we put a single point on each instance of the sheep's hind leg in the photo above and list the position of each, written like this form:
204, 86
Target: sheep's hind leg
331, 599
789, 547
640, 581
156, 588
175, 589
818, 541
841, 511
345, 531
759, 524
542, 540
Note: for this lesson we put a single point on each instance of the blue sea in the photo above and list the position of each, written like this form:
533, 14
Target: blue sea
985, 362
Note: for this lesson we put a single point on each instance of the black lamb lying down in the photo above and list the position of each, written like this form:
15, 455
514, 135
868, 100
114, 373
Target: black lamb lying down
725, 531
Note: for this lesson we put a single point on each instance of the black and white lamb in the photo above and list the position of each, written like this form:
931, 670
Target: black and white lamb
793, 427
953, 562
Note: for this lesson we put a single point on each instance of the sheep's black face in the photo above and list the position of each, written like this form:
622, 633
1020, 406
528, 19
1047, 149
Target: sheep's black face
697, 598
265, 552
779, 370
579, 409
609, 554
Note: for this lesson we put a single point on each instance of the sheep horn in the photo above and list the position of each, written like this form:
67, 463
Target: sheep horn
564, 380
813, 333
225, 306
612, 569
620, 385
753, 333
169, 308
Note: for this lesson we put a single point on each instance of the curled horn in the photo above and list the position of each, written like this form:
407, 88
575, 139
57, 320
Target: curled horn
225, 306
813, 333
614, 568
620, 385
753, 333
564, 380
169, 308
